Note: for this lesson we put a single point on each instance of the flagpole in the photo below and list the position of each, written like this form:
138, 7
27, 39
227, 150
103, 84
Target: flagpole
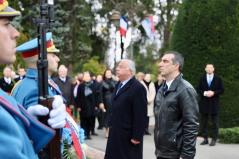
122, 48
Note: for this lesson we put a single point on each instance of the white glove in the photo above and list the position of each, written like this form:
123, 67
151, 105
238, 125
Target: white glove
37, 110
58, 113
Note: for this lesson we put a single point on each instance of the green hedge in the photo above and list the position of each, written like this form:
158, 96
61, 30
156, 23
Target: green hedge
229, 135
208, 31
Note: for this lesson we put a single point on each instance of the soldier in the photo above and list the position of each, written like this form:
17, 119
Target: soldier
26, 92
18, 128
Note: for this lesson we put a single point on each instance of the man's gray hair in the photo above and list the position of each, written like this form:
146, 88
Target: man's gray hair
6, 68
62, 67
178, 59
131, 65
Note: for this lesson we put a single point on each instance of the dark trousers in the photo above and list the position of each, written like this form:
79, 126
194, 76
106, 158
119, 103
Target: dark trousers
215, 120
92, 124
85, 124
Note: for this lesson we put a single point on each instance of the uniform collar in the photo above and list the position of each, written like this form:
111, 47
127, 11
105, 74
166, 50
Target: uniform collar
31, 73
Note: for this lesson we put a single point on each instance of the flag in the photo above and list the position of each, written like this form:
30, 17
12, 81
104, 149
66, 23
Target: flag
123, 25
148, 26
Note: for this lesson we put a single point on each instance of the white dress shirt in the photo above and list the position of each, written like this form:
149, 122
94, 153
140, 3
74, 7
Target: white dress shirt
208, 77
8, 80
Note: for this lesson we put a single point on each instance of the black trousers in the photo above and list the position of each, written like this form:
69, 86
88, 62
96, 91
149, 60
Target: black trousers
215, 120
92, 124
85, 124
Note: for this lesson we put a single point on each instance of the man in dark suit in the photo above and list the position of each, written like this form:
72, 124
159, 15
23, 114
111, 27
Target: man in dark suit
128, 115
21, 72
210, 87
6, 83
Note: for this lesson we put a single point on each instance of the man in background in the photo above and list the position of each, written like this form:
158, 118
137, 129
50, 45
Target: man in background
210, 87
66, 86
21, 72
6, 83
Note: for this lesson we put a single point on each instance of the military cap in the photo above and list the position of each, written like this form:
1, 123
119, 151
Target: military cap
7, 11
30, 48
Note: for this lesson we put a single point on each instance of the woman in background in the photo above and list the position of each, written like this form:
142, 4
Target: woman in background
107, 87
150, 88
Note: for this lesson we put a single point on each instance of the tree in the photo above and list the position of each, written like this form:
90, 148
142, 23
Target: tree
93, 66
208, 31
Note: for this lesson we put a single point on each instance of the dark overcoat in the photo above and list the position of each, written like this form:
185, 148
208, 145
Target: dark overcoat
66, 88
86, 103
127, 121
210, 105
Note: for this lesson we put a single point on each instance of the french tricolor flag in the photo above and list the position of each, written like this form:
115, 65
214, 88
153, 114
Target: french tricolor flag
123, 25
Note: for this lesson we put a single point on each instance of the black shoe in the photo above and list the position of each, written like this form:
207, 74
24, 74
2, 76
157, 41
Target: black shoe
94, 134
213, 143
205, 141
147, 132
100, 128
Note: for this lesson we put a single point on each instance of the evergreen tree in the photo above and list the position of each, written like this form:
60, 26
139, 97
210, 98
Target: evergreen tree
208, 31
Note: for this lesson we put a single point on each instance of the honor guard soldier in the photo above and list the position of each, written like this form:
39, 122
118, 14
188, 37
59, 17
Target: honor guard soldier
26, 92
22, 136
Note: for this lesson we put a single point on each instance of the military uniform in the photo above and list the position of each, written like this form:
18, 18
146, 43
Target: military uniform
21, 136
26, 92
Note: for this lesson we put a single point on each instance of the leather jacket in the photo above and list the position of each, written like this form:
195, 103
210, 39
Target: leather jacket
176, 120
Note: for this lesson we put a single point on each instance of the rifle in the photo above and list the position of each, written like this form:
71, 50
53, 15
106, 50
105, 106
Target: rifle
53, 149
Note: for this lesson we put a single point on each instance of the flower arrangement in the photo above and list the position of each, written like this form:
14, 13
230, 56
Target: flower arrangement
68, 149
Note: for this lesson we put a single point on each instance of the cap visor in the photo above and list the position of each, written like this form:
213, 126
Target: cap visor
54, 50
9, 12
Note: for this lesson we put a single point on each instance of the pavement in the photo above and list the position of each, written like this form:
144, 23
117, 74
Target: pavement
97, 147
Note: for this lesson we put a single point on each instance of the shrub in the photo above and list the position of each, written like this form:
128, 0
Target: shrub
229, 135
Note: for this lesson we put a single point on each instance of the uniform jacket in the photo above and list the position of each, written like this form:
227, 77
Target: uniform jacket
19, 129
128, 118
86, 103
5, 86
210, 105
26, 92
66, 88
176, 120
151, 92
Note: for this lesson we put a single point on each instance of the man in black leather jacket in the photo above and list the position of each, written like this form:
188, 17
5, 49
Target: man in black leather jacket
176, 112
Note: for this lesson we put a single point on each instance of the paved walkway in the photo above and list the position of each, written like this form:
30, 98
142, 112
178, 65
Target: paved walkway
97, 148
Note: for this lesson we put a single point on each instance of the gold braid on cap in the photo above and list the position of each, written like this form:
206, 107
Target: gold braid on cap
3, 5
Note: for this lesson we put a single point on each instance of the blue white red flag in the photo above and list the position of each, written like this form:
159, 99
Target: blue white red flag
123, 25
148, 26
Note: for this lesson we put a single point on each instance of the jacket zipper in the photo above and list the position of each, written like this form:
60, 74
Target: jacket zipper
158, 118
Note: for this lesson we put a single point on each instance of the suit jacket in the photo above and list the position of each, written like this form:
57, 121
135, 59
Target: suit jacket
5, 86
18, 78
128, 117
210, 105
